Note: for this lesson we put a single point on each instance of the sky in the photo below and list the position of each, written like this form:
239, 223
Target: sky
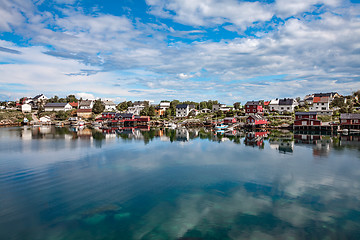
226, 50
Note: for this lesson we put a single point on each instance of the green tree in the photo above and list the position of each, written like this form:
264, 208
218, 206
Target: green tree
338, 102
98, 107
168, 113
210, 103
203, 105
151, 111
71, 98
237, 105
219, 114
54, 99
122, 106
61, 115
230, 114
144, 112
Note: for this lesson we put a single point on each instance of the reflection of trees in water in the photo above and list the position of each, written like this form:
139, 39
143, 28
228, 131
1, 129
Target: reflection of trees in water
283, 138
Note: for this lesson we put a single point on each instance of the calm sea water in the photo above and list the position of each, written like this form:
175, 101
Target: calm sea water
177, 184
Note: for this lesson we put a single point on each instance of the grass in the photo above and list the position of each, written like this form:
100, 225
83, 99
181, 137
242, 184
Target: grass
12, 115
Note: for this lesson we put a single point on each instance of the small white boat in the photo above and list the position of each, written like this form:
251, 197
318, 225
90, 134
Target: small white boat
59, 124
97, 124
220, 126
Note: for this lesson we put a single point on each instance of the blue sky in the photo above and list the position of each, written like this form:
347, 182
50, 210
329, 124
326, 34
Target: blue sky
227, 50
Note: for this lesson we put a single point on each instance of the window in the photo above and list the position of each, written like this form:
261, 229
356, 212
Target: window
253, 110
248, 110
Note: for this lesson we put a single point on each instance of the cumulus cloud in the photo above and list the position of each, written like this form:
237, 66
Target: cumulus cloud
211, 12
305, 51
85, 96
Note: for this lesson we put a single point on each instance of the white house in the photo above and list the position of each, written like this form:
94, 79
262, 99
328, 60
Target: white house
135, 109
321, 105
183, 110
45, 119
164, 105
40, 98
26, 108
221, 107
283, 105
109, 105
86, 104
57, 107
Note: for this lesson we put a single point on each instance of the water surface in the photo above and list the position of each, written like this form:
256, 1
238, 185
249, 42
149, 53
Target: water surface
177, 184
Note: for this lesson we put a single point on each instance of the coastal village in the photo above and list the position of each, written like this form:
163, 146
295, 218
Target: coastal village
318, 111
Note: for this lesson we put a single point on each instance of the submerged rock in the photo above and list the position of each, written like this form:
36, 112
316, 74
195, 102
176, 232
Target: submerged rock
101, 209
95, 219
120, 216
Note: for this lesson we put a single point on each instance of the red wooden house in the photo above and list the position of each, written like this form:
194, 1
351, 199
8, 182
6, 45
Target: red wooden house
256, 120
306, 119
142, 118
228, 120
350, 120
108, 115
254, 107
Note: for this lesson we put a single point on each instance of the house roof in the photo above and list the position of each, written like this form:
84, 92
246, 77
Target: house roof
182, 106
139, 103
321, 99
38, 96
84, 110
86, 103
253, 103
126, 115
111, 103
330, 94
305, 113
350, 116
74, 104
286, 101
266, 103
165, 104
56, 104
229, 118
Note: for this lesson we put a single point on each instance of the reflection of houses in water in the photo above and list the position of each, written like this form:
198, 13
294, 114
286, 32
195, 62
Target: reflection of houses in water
132, 132
84, 133
283, 145
306, 138
321, 143
255, 138
45, 129
350, 140
322, 147
182, 134
26, 133
109, 130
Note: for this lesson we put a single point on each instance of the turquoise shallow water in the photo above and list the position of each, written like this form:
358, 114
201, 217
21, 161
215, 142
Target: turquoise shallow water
177, 184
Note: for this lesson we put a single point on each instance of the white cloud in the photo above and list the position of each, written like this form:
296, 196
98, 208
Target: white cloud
285, 8
211, 12
85, 96
90, 53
